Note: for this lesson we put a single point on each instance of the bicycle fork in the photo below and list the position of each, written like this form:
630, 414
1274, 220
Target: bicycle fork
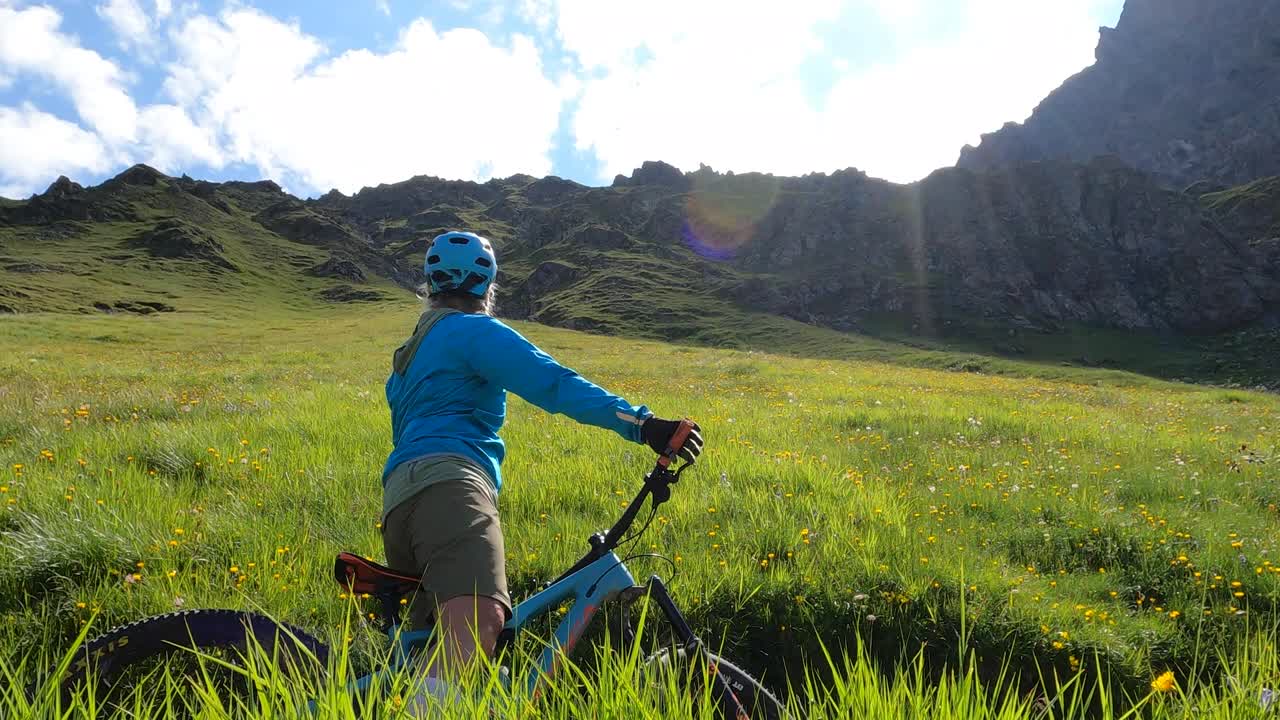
688, 641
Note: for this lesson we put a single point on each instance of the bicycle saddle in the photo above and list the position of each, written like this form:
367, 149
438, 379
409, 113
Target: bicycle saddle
366, 576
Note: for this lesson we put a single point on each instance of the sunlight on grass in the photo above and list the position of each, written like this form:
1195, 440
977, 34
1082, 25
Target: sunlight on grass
1108, 529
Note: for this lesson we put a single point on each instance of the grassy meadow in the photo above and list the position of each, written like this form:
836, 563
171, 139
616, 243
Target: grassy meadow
932, 527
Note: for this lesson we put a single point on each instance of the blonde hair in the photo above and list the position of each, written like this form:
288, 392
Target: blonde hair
466, 302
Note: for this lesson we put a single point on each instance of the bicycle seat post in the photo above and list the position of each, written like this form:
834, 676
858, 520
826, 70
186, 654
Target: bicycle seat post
390, 603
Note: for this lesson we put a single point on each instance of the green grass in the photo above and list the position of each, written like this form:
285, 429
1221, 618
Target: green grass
1244, 358
1053, 518
1260, 198
629, 684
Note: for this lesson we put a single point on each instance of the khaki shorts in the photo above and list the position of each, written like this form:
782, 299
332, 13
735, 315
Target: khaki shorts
449, 533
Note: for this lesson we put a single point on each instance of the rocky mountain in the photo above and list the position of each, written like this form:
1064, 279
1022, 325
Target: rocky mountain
1042, 245
1186, 89
1030, 251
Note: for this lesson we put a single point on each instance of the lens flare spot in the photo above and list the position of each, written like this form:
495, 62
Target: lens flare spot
722, 212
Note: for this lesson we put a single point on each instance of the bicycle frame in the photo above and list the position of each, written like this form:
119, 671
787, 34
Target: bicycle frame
589, 587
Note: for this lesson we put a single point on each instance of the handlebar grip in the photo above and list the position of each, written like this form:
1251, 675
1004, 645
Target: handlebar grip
676, 443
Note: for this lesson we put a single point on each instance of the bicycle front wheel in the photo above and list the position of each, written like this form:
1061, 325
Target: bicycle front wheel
675, 670
216, 650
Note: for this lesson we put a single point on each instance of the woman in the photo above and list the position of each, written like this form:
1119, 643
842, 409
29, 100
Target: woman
447, 395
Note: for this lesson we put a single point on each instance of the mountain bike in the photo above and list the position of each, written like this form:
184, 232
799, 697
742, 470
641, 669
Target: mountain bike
600, 578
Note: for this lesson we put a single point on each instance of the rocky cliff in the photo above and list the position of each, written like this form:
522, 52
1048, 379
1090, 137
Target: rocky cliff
1043, 244
1186, 89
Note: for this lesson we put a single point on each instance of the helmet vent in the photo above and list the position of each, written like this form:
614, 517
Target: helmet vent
459, 240
433, 259
483, 262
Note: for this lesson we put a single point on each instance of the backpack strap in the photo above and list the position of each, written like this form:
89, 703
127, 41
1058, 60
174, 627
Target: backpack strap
404, 354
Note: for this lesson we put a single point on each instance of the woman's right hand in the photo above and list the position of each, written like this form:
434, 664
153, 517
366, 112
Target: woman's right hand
657, 434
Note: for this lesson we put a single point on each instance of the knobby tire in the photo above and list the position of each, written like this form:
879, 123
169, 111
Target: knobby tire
99, 664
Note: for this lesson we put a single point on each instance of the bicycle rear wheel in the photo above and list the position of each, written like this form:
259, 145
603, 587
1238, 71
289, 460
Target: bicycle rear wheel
690, 679
192, 646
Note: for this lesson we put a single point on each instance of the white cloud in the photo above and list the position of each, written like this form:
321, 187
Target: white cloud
721, 83
687, 81
382, 7
363, 118
38, 147
570, 86
898, 14
767, 39
902, 121
31, 43
248, 88
711, 82
232, 63
128, 20
539, 13
169, 140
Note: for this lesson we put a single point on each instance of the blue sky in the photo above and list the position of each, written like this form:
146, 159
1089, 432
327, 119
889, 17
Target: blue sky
360, 92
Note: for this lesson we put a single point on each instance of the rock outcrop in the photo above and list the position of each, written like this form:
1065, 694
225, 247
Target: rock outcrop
347, 294
338, 268
177, 240
654, 173
65, 200
291, 218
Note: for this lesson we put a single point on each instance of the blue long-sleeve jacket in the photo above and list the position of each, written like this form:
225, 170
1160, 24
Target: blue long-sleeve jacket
448, 395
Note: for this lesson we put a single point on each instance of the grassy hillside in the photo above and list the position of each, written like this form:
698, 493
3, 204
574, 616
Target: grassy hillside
220, 455
158, 245
144, 243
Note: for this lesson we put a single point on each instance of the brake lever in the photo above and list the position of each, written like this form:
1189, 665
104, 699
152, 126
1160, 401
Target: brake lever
675, 476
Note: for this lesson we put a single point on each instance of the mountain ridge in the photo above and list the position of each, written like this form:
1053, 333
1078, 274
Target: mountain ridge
1004, 261
789, 241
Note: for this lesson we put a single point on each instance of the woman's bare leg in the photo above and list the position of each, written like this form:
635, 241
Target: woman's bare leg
467, 624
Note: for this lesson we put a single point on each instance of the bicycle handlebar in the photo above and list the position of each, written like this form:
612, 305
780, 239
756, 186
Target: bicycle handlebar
657, 483
676, 444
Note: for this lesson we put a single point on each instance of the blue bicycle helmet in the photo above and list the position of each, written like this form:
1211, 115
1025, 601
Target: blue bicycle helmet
460, 261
